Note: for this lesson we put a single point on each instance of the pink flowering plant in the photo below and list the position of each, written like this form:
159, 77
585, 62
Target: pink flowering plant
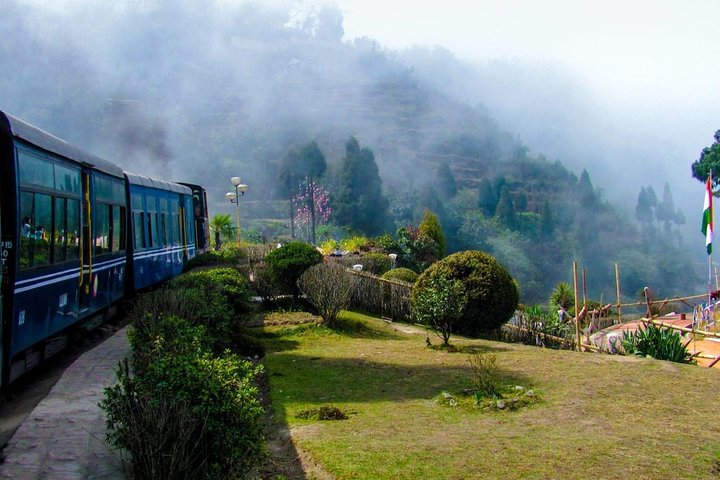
301, 204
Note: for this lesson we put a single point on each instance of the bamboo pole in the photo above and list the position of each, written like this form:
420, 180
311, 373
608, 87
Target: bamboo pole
577, 320
592, 347
541, 334
617, 289
716, 280
584, 277
701, 296
712, 364
660, 324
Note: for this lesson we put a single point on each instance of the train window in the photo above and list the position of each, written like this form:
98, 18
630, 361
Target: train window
139, 227
67, 179
35, 171
117, 230
73, 227
136, 201
36, 216
150, 243
163, 229
101, 229
190, 224
176, 229
109, 189
60, 233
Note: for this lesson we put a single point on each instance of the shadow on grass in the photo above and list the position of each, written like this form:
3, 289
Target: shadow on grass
466, 349
317, 380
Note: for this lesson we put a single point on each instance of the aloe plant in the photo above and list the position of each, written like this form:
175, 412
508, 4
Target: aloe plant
663, 344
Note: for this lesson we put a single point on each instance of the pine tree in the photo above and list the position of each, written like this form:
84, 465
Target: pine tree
361, 204
445, 181
486, 198
506, 209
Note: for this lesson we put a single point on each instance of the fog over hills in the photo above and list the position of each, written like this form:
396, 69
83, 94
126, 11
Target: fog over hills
202, 91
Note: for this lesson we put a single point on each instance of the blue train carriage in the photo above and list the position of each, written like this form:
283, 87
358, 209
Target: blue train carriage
163, 229
63, 242
200, 214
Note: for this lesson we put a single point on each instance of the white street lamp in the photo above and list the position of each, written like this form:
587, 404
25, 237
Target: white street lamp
393, 257
240, 190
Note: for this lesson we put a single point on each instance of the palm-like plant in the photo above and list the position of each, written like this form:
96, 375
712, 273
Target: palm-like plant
562, 296
222, 223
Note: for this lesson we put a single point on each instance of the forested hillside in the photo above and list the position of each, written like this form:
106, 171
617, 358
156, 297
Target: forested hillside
201, 93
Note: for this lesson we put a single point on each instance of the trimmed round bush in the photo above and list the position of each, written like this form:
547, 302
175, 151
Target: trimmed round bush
402, 274
288, 262
375, 263
492, 296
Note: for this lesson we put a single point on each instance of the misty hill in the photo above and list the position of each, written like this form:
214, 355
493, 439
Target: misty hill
205, 92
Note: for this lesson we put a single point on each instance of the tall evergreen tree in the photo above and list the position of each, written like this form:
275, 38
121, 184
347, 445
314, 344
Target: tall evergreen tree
666, 212
644, 209
486, 198
445, 181
586, 191
360, 203
506, 209
547, 221
306, 163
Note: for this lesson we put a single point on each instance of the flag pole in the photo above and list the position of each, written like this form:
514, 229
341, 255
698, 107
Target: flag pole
711, 226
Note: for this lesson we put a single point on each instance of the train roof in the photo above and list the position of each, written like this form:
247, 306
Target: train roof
53, 144
145, 181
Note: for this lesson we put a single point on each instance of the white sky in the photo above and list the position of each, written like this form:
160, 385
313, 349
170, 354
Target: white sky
641, 50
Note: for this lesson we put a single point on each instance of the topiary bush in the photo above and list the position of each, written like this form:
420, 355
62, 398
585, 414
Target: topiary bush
375, 263
288, 262
492, 296
401, 274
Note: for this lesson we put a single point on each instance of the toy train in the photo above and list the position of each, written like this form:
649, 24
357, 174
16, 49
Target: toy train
78, 234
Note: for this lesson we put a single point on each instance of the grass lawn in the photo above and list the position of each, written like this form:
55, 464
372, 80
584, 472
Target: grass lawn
599, 416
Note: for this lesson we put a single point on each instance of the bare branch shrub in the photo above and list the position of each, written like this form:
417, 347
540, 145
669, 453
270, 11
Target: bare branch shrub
328, 287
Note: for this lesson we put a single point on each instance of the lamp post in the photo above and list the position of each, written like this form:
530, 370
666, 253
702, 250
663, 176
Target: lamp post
234, 197
393, 257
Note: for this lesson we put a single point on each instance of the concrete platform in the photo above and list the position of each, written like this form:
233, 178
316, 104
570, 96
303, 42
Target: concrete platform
64, 436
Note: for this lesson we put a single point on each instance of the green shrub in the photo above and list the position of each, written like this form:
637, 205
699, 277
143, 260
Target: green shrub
491, 293
233, 286
185, 406
386, 243
402, 274
487, 380
355, 244
430, 227
199, 306
288, 262
263, 283
375, 263
439, 305
656, 342
328, 287
166, 335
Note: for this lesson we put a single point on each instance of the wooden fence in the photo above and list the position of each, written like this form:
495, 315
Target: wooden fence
388, 298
